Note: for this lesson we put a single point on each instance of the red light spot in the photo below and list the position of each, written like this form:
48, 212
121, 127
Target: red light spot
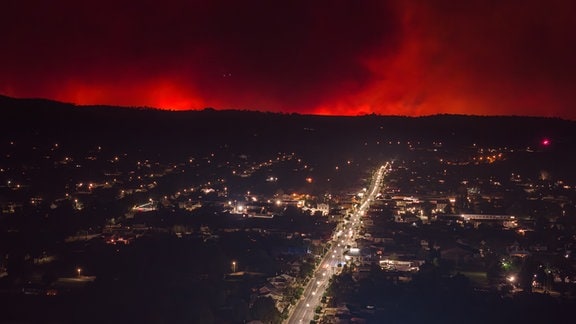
546, 142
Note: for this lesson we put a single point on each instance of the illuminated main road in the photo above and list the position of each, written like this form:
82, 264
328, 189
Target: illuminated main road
345, 236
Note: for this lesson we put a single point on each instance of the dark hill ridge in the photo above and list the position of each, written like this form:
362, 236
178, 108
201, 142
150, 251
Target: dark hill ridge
180, 131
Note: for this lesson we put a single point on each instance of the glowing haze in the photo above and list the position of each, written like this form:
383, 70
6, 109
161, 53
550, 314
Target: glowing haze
412, 57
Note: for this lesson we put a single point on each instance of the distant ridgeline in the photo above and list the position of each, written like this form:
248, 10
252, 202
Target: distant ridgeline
184, 132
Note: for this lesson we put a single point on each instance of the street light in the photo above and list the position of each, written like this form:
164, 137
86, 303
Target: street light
233, 266
79, 271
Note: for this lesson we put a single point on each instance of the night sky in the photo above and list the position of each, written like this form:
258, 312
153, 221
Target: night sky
404, 57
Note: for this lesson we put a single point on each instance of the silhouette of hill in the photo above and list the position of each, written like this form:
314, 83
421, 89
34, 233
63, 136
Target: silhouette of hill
181, 132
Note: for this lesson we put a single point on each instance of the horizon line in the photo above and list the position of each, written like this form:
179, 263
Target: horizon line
210, 108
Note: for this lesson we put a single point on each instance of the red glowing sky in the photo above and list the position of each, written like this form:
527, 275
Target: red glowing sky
342, 57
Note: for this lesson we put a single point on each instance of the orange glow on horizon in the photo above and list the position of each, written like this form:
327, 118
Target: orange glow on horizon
162, 94
401, 58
